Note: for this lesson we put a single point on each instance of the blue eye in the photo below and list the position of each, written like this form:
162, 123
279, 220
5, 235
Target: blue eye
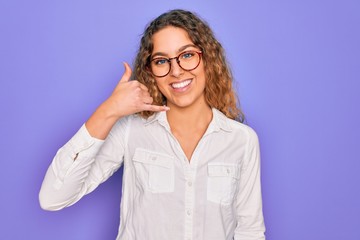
187, 55
160, 61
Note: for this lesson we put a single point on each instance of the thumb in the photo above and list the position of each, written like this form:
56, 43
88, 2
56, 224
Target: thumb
127, 74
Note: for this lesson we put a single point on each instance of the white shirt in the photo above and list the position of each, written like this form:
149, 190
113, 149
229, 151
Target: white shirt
214, 196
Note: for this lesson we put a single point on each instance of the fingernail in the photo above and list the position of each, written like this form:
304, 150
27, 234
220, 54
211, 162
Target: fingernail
166, 108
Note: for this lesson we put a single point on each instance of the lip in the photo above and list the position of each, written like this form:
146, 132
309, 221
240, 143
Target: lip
181, 86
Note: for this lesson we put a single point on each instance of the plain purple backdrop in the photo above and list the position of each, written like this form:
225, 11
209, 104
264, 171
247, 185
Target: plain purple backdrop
296, 64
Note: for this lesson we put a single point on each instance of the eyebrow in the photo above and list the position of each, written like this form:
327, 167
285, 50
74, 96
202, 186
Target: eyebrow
179, 50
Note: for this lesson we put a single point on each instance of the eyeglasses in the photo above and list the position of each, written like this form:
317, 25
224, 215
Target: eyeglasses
188, 60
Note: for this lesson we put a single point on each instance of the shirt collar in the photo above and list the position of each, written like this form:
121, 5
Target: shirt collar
219, 121
158, 117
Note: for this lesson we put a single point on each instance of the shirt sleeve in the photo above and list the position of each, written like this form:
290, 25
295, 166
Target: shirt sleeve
250, 222
80, 166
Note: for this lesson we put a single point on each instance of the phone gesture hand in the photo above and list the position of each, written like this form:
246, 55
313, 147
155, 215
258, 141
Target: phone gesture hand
131, 97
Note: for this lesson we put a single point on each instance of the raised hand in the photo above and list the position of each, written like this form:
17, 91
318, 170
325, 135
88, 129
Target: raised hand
128, 97
131, 97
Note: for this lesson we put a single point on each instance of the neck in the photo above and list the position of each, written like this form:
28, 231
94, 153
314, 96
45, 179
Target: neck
189, 118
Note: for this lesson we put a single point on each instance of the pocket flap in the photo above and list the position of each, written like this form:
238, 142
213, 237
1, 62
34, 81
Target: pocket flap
153, 158
224, 170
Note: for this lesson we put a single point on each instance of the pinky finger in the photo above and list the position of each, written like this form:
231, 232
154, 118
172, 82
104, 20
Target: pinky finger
155, 108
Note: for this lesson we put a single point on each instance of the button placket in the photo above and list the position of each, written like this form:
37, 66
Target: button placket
189, 202
188, 212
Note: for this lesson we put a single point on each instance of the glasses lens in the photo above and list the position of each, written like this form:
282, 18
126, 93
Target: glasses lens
189, 60
160, 66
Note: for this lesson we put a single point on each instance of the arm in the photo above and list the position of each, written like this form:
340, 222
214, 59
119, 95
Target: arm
67, 180
250, 222
96, 151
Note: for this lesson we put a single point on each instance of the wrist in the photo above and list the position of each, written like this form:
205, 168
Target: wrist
101, 121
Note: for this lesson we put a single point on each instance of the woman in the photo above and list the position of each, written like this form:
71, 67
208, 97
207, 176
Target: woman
187, 162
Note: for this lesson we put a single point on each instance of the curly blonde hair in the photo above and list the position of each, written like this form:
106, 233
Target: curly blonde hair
219, 92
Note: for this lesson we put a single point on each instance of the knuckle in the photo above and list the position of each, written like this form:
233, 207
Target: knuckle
135, 83
137, 99
137, 106
137, 90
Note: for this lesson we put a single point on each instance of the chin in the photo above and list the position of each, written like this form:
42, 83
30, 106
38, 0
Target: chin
184, 103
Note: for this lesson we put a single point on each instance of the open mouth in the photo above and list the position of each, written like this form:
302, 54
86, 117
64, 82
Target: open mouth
182, 84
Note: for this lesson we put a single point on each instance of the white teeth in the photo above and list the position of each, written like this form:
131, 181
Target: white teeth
181, 84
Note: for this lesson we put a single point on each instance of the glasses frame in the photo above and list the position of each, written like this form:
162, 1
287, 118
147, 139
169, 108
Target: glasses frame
199, 53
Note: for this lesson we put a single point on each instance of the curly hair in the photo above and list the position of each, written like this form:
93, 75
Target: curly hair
219, 92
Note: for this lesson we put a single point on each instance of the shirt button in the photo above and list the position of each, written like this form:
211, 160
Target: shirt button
153, 158
188, 212
228, 171
189, 184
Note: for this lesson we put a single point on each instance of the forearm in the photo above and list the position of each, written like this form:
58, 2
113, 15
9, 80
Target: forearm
101, 121
67, 180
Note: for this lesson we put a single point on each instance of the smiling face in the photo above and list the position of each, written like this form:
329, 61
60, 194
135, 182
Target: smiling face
180, 87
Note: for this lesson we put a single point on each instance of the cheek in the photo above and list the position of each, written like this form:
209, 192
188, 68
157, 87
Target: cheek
201, 75
201, 68
161, 86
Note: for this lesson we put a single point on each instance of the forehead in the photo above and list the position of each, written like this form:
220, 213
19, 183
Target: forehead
170, 39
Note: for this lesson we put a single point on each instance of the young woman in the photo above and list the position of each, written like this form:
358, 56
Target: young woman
188, 160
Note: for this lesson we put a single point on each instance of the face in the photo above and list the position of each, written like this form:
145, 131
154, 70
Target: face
181, 88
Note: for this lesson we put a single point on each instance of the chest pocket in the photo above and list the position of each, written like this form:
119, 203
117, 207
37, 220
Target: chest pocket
222, 182
155, 171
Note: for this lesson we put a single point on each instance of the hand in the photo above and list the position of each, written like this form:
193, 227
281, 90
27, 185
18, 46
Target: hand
130, 97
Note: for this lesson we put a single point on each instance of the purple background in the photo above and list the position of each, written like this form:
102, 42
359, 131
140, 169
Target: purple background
296, 64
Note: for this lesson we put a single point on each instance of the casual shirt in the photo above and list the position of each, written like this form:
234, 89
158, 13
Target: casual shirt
214, 196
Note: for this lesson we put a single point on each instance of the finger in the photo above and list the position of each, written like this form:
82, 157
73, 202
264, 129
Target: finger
155, 108
143, 87
127, 74
145, 94
148, 100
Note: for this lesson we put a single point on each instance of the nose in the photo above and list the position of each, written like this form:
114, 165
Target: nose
176, 70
